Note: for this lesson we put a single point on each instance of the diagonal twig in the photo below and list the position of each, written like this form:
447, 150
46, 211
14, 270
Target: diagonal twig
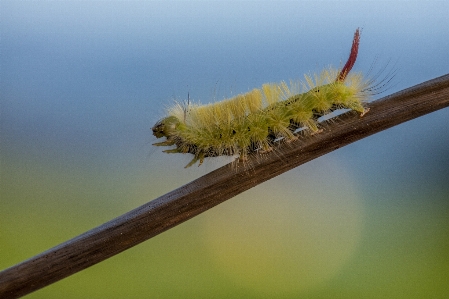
212, 189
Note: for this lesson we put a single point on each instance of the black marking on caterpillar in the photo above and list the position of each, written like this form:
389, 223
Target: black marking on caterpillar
253, 122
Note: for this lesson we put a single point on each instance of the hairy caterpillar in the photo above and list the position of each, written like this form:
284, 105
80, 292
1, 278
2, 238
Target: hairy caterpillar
251, 122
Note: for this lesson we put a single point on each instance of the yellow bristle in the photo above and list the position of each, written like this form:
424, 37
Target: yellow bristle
247, 122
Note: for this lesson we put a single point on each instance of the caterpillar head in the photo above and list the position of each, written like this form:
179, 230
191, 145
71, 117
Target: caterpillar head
165, 127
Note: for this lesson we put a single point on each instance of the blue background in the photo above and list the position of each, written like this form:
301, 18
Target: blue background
83, 82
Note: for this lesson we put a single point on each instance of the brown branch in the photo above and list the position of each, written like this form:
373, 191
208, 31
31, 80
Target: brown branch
212, 189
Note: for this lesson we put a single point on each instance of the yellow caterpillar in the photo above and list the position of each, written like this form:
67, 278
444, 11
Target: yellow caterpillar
251, 122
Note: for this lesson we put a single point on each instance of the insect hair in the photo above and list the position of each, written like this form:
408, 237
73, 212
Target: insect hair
256, 122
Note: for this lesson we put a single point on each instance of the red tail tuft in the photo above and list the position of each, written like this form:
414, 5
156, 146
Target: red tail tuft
352, 57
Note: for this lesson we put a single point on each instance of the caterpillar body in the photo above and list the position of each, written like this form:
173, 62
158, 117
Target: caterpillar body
252, 122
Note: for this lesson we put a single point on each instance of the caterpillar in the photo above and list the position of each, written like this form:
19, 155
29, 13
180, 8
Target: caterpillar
252, 122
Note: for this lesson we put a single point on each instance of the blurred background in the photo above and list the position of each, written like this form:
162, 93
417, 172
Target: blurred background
82, 83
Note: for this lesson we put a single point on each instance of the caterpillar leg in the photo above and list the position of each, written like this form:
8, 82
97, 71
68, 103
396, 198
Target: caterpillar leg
265, 149
172, 151
356, 106
197, 157
313, 126
167, 142
365, 111
201, 160
194, 160
243, 157
291, 139
318, 131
